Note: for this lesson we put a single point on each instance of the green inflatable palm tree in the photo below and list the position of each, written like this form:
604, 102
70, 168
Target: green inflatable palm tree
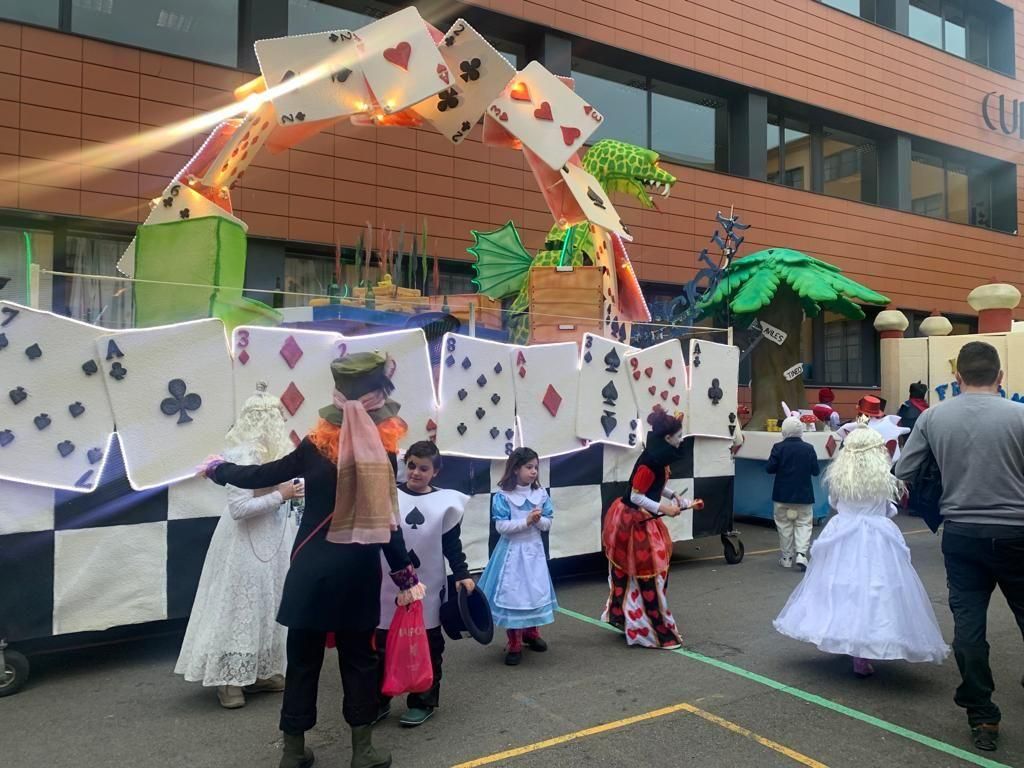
780, 286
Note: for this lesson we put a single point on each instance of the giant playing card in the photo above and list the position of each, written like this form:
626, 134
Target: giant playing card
172, 396
606, 409
478, 411
55, 419
658, 377
295, 364
413, 378
714, 374
545, 383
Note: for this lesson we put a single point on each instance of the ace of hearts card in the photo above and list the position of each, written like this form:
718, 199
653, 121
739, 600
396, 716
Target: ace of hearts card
545, 115
606, 407
658, 377
477, 416
545, 379
171, 392
55, 418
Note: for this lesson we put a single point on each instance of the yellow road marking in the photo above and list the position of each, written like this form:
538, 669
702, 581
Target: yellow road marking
604, 728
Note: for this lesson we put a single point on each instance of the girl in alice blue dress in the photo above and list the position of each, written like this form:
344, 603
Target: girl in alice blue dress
516, 580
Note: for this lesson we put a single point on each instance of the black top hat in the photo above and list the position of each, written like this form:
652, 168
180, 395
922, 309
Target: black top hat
470, 613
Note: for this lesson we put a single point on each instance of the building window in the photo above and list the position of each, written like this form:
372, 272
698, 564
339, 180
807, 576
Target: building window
839, 351
107, 303
850, 165
689, 127
307, 16
971, 30
789, 152
19, 249
866, 9
206, 30
620, 96
44, 13
964, 188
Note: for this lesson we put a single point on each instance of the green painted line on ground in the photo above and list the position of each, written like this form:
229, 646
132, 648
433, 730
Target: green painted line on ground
812, 698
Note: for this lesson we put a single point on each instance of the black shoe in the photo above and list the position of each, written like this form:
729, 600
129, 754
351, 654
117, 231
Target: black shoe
535, 644
512, 658
986, 736
382, 713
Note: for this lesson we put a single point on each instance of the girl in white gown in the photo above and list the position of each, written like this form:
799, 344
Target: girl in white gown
861, 596
233, 641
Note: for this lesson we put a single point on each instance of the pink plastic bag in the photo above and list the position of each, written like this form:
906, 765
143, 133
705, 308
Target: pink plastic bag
407, 666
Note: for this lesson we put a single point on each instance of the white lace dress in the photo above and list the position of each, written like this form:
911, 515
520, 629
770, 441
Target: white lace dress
233, 636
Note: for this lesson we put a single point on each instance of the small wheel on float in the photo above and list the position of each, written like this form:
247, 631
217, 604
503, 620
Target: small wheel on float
733, 549
14, 674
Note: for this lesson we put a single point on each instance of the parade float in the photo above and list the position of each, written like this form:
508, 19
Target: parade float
102, 524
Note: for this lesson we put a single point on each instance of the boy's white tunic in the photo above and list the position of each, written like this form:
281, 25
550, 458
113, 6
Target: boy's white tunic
425, 519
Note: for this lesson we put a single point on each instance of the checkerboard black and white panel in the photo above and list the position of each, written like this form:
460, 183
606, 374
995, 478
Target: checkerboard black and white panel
83, 562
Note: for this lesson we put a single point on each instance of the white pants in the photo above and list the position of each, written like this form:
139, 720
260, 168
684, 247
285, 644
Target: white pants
795, 533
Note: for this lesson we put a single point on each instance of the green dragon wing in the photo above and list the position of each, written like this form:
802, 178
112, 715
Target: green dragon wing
502, 262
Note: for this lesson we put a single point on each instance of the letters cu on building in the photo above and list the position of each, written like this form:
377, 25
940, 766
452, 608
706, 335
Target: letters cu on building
1009, 122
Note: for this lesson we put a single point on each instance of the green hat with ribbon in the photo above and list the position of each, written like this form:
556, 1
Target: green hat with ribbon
358, 374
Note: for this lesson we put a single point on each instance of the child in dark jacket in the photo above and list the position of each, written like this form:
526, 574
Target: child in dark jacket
794, 463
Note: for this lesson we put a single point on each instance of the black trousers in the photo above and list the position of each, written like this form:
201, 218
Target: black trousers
429, 698
358, 662
974, 568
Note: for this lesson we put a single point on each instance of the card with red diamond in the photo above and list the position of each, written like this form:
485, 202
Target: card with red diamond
172, 396
413, 378
477, 416
658, 378
546, 383
296, 366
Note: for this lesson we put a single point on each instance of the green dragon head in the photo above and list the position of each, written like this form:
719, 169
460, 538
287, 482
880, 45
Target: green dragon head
622, 167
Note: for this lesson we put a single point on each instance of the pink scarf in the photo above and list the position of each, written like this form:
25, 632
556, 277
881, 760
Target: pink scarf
366, 500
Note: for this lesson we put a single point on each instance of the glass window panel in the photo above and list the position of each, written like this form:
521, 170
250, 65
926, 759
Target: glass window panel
977, 40
955, 31
206, 30
18, 249
305, 16
927, 185
685, 123
850, 166
957, 206
850, 6
797, 156
45, 13
620, 96
107, 303
926, 21
772, 166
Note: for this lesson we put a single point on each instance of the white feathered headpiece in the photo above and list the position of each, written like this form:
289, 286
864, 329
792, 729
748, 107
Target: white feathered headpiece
259, 434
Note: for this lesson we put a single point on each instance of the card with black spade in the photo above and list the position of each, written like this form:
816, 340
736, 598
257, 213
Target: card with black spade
605, 407
478, 399
55, 419
545, 384
713, 388
172, 396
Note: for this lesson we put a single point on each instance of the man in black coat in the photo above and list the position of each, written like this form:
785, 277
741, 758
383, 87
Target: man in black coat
794, 463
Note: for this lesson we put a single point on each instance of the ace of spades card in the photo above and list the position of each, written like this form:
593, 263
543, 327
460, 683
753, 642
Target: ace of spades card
545, 382
401, 63
327, 70
477, 416
55, 419
479, 74
413, 377
545, 115
296, 366
714, 378
658, 378
171, 392
605, 405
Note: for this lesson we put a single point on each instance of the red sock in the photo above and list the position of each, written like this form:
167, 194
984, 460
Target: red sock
531, 634
515, 640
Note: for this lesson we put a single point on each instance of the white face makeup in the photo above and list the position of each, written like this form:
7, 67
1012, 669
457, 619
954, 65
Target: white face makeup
675, 439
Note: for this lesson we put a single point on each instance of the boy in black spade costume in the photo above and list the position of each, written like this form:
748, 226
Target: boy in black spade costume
348, 462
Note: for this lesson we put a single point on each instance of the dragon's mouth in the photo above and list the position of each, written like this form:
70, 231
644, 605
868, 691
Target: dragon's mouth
653, 187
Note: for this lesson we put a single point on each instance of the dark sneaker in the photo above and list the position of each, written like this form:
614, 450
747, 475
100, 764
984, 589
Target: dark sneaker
512, 658
535, 644
986, 737
415, 717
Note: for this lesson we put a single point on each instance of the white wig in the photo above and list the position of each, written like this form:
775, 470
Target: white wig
792, 426
861, 470
259, 434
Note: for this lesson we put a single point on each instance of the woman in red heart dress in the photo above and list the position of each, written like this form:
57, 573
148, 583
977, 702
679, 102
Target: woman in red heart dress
638, 545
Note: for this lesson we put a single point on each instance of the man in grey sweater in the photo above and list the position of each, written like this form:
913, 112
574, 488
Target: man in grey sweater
977, 439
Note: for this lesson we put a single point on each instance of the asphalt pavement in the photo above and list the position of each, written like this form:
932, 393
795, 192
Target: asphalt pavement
738, 695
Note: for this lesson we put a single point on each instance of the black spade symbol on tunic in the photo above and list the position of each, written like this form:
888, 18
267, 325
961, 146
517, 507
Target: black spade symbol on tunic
415, 518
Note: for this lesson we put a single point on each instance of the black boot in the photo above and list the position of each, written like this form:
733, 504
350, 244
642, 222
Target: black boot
296, 753
363, 753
